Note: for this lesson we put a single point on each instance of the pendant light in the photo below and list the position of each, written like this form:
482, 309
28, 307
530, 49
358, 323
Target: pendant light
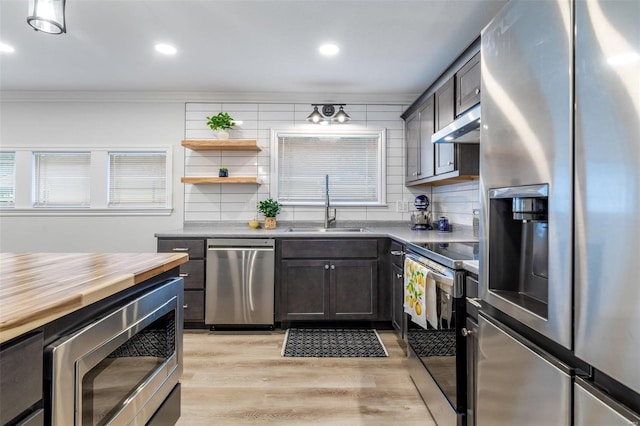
47, 16
341, 116
315, 116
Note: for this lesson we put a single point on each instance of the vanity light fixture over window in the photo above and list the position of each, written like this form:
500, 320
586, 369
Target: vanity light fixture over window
47, 16
328, 110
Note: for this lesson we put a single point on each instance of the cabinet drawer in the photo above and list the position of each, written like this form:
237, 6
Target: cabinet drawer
194, 247
193, 274
329, 249
194, 305
21, 376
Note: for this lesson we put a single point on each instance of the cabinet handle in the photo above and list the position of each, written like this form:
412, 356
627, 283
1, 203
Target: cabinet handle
185, 275
326, 266
398, 275
450, 163
333, 266
465, 332
180, 249
397, 252
415, 174
185, 306
477, 91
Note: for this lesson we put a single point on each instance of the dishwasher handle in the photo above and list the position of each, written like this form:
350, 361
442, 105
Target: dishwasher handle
239, 249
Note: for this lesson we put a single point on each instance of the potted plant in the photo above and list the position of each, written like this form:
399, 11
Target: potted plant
269, 208
221, 123
223, 172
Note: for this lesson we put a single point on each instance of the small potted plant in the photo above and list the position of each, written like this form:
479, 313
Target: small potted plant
223, 172
221, 123
269, 208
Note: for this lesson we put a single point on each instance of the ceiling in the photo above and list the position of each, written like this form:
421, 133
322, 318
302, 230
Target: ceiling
388, 48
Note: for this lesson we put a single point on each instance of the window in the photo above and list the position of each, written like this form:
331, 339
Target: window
62, 179
354, 162
7, 179
137, 179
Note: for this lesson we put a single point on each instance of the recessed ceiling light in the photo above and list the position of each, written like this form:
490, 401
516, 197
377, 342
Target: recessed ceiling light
166, 49
5, 48
329, 49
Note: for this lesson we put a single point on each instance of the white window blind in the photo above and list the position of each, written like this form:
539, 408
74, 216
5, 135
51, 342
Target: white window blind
352, 161
62, 179
137, 179
7, 178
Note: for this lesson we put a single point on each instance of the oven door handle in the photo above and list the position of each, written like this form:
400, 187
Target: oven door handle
439, 278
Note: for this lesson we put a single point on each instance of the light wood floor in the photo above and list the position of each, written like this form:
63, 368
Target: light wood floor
241, 379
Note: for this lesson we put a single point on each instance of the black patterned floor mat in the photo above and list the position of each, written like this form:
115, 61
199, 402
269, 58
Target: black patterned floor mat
333, 342
433, 342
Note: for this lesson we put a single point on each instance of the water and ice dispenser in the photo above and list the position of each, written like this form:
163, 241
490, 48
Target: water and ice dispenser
519, 246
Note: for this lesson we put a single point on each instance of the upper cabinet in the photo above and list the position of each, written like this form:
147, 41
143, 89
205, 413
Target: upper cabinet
419, 149
445, 113
453, 93
468, 85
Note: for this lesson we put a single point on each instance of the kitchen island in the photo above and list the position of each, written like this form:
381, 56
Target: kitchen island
49, 299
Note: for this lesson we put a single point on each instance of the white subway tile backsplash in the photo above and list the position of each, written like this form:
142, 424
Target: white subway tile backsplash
276, 107
212, 202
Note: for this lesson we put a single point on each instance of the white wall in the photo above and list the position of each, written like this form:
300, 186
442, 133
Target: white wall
77, 123
92, 124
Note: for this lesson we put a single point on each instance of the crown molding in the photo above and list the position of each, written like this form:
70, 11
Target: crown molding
156, 96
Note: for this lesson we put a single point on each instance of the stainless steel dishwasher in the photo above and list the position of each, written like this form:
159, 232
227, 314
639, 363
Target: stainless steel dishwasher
240, 277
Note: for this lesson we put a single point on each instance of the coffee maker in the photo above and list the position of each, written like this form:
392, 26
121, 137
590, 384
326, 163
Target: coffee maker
420, 217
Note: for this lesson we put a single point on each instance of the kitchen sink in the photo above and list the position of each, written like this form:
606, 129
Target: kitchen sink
327, 230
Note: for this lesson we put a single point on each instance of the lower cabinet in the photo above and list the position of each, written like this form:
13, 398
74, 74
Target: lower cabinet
328, 280
329, 289
21, 367
397, 294
193, 273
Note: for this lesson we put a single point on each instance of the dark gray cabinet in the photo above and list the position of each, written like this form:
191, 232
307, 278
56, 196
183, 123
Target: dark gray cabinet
21, 378
454, 92
420, 151
397, 287
328, 279
445, 113
468, 85
193, 273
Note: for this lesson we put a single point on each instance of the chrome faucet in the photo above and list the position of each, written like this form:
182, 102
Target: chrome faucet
328, 220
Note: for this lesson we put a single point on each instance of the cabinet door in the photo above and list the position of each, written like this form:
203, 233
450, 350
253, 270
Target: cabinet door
354, 289
426, 149
194, 306
444, 105
412, 141
304, 290
397, 302
468, 85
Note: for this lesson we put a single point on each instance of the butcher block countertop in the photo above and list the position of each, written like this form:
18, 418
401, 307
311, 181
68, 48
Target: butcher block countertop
37, 288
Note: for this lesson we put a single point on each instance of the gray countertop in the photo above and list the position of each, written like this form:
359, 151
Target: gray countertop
398, 231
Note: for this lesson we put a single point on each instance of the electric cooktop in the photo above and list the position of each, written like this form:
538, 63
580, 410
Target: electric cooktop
449, 254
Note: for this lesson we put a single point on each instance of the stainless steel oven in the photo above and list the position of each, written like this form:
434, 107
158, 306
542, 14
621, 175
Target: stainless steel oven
119, 369
436, 345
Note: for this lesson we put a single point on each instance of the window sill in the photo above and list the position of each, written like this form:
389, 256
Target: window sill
10, 212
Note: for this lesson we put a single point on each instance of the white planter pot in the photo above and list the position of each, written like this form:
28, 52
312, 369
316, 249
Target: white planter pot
223, 134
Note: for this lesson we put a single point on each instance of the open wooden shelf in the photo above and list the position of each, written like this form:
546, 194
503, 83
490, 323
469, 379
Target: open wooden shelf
211, 179
221, 144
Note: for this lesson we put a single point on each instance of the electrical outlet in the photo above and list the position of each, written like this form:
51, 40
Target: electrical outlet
402, 206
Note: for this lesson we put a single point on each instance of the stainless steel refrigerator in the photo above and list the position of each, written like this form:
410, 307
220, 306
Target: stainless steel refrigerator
607, 193
558, 341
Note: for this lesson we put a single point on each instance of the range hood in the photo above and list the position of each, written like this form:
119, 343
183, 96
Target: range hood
464, 129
